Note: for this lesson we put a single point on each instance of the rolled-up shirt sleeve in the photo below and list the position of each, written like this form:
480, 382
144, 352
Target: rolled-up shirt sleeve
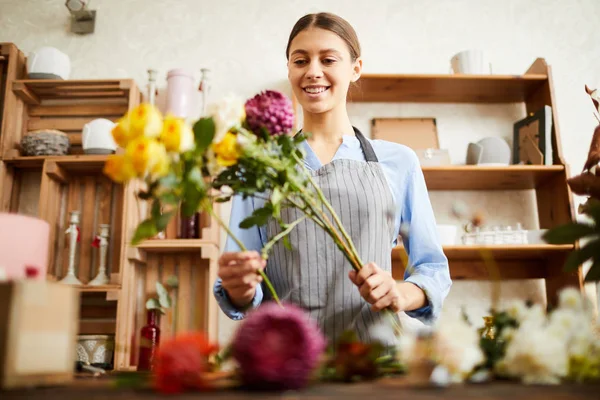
253, 240
427, 264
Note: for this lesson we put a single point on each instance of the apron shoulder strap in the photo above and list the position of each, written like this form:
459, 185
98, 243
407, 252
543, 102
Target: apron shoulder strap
366, 146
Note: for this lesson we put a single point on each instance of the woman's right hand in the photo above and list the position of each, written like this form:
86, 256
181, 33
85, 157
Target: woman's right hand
239, 275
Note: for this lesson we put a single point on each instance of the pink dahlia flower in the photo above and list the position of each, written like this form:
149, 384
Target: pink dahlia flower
270, 110
278, 348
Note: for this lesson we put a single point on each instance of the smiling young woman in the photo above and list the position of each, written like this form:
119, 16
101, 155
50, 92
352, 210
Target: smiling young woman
374, 186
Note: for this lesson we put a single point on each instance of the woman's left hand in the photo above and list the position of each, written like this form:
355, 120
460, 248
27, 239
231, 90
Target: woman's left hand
377, 287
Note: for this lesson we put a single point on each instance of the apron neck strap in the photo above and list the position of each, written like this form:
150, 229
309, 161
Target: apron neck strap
364, 145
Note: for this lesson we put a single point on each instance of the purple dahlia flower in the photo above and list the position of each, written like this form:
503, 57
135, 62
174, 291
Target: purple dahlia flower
278, 348
270, 110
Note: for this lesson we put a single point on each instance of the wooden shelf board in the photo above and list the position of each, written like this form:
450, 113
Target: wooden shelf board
498, 252
33, 91
472, 177
74, 162
98, 289
175, 245
454, 88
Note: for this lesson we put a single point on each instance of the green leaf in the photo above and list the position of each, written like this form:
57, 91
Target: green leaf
163, 220
156, 208
170, 181
593, 274
204, 133
163, 296
196, 177
169, 198
145, 230
568, 233
172, 281
153, 304
144, 195
286, 243
276, 196
249, 222
578, 257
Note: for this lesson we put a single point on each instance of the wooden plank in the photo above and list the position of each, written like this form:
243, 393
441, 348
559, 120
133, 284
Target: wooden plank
557, 279
87, 228
108, 310
49, 191
95, 327
7, 184
56, 172
117, 240
200, 277
554, 202
78, 110
171, 232
168, 320
25, 93
499, 252
12, 111
467, 177
444, 88
172, 246
63, 124
185, 305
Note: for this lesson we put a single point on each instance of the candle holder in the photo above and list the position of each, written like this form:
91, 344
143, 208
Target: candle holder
102, 278
73, 232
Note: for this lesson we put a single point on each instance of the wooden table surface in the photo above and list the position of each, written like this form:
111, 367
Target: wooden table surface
369, 391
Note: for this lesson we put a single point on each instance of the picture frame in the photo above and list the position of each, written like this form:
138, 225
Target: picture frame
532, 138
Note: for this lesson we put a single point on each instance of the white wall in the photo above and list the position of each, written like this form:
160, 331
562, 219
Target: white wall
243, 42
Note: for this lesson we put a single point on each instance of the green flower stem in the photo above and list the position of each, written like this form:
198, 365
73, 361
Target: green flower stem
280, 235
332, 211
243, 248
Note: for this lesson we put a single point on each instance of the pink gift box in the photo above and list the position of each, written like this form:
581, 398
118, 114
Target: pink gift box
23, 243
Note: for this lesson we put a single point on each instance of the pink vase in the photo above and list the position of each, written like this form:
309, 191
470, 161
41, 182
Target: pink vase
180, 91
24, 243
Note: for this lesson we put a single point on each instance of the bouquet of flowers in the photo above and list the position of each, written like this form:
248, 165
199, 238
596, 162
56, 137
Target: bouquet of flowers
239, 148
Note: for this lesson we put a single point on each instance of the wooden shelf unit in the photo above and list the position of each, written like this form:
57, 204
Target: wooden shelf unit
533, 89
174, 245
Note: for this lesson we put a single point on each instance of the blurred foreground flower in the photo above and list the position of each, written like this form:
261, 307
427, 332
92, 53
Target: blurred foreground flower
277, 348
182, 362
271, 111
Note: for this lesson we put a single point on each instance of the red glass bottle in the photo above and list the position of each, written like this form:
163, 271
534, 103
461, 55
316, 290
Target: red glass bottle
149, 341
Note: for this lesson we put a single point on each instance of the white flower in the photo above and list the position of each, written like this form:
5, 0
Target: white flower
212, 165
570, 298
186, 141
227, 113
536, 356
457, 347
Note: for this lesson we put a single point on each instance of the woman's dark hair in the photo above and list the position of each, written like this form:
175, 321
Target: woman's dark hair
332, 23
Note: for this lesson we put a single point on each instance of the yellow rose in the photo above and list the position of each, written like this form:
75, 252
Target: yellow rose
176, 135
118, 168
148, 156
227, 150
122, 132
145, 120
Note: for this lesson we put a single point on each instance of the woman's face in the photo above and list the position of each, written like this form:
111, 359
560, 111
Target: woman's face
320, 70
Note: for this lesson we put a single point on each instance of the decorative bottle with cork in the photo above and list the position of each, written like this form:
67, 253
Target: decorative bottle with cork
149, 341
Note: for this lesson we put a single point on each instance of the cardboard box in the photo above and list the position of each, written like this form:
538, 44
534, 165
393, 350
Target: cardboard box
38, 333
416, 133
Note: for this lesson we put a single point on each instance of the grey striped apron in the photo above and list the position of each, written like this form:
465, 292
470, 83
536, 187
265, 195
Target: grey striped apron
314, 274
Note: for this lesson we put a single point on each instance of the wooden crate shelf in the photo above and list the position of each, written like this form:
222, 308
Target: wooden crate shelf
99, 200
65, 105
98, 289
446, 88
35, 91
195, 307
470, 177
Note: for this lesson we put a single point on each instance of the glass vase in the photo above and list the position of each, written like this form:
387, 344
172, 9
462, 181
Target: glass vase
149, 341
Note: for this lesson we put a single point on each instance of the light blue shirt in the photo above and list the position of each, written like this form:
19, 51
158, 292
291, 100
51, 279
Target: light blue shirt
414, 213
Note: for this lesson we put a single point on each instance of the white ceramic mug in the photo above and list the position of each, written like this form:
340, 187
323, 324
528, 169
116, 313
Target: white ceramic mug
471, 62
97, 137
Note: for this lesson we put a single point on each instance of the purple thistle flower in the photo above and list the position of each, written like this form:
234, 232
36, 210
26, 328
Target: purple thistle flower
270, 110
278, 348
